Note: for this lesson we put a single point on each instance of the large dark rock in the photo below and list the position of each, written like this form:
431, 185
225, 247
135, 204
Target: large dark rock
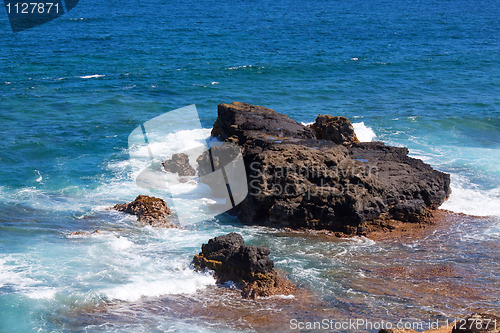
248, 266
179, 163
149, 210
336, 129
296, 180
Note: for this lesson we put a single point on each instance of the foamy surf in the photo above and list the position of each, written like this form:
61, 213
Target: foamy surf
468, 198
363, 132
169, 283
42, 293
188, 195
245, 66
40, 178
14, 274
140, 273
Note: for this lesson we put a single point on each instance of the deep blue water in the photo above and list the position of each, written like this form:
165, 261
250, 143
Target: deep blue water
422, 74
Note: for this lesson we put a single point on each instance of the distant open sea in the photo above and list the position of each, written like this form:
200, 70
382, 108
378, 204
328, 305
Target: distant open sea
422, 74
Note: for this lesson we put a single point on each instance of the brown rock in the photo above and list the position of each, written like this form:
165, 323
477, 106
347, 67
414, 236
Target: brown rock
149, 210
84, 233
249, 267
336, 129
179, 163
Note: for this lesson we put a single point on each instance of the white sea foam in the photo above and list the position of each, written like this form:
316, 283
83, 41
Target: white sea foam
39, 199
121, 243
169, 283
91, 76
363, 132
40, 178
42, 293
186, 196
14, 275
283, 296
422, 155
361, 240
468, 198
163, 147
236, 67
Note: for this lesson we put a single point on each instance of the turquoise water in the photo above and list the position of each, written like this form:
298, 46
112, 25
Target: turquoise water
422, 74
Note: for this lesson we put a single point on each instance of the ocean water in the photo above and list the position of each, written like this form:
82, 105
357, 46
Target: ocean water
422, 74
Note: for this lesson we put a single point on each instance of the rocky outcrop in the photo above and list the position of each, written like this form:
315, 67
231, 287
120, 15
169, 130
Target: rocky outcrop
179, 163
336, 129
248, 266
297, 180
149, 210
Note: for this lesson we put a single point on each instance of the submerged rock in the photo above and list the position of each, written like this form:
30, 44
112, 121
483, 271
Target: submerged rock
249, 267
336, 129
297, 180
84, 233
149, 210
179, 163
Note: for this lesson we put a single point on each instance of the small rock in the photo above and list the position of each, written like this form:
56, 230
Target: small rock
336, 129
249, 267
179, 163
149, 210
84, 233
